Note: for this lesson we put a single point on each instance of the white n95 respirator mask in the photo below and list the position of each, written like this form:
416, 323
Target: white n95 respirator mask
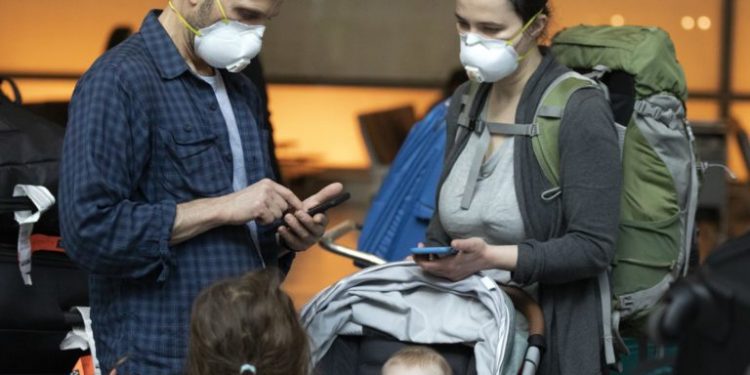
488, 59
229, 45
226, 44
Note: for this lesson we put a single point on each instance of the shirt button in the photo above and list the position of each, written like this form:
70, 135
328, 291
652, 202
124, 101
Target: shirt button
188, 128
212, 106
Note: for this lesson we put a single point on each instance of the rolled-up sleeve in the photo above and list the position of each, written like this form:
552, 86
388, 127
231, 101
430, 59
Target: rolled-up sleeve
591, 181
106, 146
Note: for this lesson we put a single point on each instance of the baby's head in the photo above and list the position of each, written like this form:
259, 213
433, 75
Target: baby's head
416, 360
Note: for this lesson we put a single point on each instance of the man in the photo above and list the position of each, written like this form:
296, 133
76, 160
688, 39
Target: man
164, 180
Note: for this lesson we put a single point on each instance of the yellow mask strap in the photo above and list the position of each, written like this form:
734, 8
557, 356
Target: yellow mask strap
189, 26
183, 20
223, 13
523, 29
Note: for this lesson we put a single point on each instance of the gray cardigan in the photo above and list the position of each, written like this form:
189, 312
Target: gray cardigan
571, 238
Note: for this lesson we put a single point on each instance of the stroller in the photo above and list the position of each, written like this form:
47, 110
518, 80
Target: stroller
359, 322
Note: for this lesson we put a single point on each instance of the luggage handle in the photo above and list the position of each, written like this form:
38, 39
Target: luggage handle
328, 242
14, 87
10, 205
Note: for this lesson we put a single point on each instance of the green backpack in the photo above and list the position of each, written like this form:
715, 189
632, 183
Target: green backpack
637, 70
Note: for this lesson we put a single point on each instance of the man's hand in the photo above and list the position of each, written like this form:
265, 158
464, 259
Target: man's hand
263, 201
300, 230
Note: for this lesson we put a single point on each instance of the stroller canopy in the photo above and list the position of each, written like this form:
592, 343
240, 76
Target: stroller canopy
400, 300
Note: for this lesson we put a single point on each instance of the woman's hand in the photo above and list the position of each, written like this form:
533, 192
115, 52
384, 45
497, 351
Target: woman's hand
474, 255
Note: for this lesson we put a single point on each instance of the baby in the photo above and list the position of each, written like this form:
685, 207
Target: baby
416, 360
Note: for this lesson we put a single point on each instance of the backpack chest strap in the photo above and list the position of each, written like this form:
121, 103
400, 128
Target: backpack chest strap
500, 128
494, 128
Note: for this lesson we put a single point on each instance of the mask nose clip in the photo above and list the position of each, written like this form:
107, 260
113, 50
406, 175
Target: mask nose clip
471, 39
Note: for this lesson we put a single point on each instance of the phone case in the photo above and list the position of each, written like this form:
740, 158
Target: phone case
447, 250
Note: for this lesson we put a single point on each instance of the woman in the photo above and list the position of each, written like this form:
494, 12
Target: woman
499, 219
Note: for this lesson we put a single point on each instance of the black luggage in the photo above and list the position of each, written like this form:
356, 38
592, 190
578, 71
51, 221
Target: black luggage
34, 319
30, 148
709, 314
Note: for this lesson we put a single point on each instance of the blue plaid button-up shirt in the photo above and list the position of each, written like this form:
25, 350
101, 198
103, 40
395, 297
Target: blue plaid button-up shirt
144, 135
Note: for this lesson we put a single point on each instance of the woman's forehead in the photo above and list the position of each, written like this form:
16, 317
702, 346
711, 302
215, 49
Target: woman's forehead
493, 11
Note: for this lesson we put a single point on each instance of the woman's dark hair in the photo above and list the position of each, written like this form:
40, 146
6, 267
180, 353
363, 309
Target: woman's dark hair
247, 320
528, 8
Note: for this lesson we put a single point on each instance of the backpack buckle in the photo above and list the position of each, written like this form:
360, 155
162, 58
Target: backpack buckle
478, 126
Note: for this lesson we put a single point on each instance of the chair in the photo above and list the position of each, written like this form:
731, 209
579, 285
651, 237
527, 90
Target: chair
384, 132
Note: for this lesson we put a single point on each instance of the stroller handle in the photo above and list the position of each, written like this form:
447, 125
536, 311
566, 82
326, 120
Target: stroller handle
328, 242
528, 307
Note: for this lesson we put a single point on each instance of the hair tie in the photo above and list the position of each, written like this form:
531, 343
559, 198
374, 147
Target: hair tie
247, 367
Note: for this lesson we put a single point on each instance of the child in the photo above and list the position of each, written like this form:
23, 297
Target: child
246, 325
416, 360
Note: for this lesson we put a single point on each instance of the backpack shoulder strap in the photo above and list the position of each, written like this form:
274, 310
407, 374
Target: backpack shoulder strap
469, 107
467, 100
548, 117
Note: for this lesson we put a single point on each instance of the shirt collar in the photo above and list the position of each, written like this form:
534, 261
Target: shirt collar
161, 47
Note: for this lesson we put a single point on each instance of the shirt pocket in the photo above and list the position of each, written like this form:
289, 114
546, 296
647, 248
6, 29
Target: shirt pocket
194, 165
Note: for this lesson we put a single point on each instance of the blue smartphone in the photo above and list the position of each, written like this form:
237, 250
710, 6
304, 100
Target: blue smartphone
437, 251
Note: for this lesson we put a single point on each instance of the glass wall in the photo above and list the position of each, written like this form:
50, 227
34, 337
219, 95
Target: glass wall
740, 112
694, 26
47, 36
741, 72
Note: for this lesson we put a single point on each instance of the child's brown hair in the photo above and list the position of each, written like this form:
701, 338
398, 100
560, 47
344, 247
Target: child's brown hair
247, 323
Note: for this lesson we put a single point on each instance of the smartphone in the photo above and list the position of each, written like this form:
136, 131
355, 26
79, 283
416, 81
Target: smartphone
319, 209
333, 202
440, 252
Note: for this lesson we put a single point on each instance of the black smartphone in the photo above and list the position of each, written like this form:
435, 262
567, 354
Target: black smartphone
333, 202
319, 209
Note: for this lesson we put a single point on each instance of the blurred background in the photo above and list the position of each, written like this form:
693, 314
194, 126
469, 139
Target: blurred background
333, 66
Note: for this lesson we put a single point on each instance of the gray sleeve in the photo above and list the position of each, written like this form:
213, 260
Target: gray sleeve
591, 181
436, 235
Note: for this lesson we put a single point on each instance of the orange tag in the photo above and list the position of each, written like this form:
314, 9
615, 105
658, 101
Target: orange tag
84, 366
40, 242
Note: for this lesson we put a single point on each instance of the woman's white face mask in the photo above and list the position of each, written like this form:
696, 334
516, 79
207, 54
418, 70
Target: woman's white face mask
488, 59
226, 44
